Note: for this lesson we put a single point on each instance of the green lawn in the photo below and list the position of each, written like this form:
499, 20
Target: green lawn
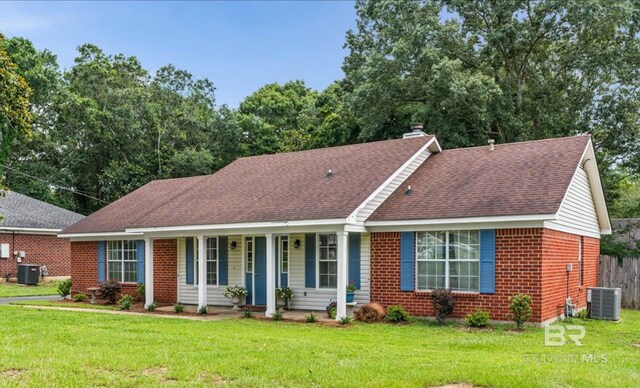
61, 348
13, 289
53, 303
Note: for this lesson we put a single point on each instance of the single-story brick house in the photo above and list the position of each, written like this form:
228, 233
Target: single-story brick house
397, 217
29, 228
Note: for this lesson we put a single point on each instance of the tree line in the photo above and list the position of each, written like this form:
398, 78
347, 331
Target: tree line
512, 71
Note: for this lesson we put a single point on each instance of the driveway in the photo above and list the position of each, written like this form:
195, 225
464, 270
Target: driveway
20, 298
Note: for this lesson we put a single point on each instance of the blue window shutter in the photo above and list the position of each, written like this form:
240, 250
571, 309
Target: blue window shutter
140, 261
102, 261
354, 259
310, 260
407, 261
488, 261
189, 254
223, 260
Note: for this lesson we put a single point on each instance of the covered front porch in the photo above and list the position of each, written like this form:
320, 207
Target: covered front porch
316, 263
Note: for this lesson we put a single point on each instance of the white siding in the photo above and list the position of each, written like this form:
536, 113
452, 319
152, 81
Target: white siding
318, 299
378, 199
315, 299
188, 293
578, 210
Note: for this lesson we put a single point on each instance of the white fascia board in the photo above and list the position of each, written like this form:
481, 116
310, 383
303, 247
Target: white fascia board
29, 230
99, 236
246, 225
535, 220
595, 185
355, 228
431, 143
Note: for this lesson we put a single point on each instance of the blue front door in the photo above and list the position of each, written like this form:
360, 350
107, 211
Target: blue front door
260, 272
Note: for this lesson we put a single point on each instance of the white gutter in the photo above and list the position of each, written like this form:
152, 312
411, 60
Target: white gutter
245, 225
29, 230
464, 220
98, 234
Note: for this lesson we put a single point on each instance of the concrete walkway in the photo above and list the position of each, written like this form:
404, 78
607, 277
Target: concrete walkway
23, 298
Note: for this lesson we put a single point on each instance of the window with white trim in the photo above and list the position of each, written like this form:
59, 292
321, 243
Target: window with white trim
328, 260
448, 259
284, 254
212, 261
122, 261
249, 254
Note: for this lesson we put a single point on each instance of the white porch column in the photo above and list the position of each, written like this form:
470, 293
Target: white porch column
202, 273
271, 276
148, 272
343, 262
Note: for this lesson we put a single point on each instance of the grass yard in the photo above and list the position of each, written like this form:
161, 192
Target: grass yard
53, 303
56, 348
12, 289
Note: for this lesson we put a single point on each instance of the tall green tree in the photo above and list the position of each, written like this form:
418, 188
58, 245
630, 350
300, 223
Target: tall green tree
510, 70
278, 118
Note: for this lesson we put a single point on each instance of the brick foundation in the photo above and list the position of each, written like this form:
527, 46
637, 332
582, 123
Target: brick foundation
531, 261
39, 249
84, 269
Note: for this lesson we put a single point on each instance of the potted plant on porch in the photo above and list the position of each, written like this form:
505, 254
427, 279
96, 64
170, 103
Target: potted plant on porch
351, 289
235, 293
331, 308
283, 294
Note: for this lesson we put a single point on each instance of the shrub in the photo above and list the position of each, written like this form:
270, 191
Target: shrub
203, 310
345, 320
79, 297
443, 304
125, 302
140, 291
277, 316
520, 306
478, 319
64, 288
248, 314
311, 318
397, 314
110, 290
178, 308
582, 314
151, 307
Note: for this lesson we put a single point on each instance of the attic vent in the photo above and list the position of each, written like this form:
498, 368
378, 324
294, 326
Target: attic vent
329, 174
409, 191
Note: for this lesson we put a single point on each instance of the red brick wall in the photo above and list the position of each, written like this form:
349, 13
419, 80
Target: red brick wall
560, 249
39, 249
531, 261
84, 269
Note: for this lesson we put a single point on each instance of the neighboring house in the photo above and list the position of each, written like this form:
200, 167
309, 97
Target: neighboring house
398, 217
30, 227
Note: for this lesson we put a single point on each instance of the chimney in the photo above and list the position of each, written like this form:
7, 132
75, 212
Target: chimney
416, 130
491, 144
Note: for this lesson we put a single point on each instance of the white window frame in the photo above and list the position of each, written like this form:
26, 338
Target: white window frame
447, 261
216, 259
281, 250
196, 258
318, 287
122, 260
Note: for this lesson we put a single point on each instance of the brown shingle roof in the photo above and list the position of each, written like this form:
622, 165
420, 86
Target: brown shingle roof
281, 187
514, 179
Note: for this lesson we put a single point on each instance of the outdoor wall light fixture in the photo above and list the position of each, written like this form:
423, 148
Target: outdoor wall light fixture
296, 244
234, 244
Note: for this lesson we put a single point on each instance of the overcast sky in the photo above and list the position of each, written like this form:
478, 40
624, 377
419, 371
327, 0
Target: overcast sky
240, 46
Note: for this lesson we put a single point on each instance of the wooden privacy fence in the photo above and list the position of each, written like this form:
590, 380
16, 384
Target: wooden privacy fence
623, 274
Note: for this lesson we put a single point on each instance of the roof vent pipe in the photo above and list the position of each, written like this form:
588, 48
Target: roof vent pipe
491, 144
416, 130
